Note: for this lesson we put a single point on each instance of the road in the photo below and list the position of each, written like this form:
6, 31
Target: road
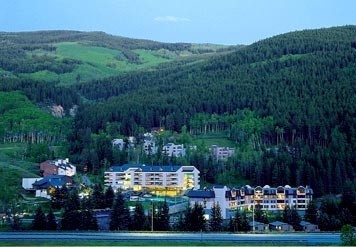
291, 238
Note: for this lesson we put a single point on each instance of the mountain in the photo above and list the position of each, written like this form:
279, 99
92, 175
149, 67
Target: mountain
293, 93
69, 57
304, 81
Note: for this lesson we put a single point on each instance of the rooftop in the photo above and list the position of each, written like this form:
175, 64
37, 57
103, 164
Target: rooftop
149, 168
200, 194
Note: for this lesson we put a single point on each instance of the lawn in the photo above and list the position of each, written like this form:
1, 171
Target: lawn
97, 62
12, 170
86, 53
208, 140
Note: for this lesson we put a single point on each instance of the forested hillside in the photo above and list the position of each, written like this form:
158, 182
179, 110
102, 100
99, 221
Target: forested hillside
288, 102
304, 80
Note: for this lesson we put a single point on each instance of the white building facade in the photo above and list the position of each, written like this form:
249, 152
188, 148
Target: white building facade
222, 153
171, 180
173, 150
267, 198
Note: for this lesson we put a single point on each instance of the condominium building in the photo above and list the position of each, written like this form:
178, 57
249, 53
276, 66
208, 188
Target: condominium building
173, 150
168, 180
57, 167
246, 197
222, 153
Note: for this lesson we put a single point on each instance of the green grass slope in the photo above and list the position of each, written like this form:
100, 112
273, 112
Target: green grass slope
70, 57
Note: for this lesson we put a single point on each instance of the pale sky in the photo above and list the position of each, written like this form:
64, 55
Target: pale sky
193, 21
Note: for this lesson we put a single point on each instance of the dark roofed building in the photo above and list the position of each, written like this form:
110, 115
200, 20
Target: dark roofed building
200, 194
280, 226
45, 185
309, 227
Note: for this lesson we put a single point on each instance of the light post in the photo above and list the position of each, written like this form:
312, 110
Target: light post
152, 215
253, 215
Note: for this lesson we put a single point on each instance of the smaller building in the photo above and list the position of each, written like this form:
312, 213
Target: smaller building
27, 183
118, 143
309, 227
280, 226
258, 226
150, 147
204, 197
173, 150
45, 186
57, 167
222, 153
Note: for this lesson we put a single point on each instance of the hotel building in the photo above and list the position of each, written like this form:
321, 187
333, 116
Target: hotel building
246, 197
165, 180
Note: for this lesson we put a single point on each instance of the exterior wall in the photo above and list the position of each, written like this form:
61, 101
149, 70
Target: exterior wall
270, 199
119, 143
309, 227
42, 193
174, 150
47, 168
27, 183
150, 147
57, 167
259, 227
186, 177
282, 228
222, 153
67, 171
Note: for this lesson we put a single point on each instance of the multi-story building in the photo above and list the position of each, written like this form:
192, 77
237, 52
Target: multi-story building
173, 150
118, 143
57, 167
267, 198
222, 153
150, 147
167, 180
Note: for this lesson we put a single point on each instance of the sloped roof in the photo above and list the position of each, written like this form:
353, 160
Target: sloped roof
52, 181
278, 223
144, 168
306, 223
251, 223
200, 194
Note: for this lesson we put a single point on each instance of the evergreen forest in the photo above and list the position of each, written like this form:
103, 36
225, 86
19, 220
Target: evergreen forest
287, 103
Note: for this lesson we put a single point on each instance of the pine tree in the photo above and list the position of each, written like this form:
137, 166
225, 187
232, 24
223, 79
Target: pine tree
109, 197
231, 225
59, 197
120, 216
73, 201
71, 217
71, 220
215, 222
244, 223
51, 221
161, 217
138, 218
186, 224
311, 213
260, 215
39, 222
97, 197
16, 223
295, 219
237, 221
88, 221
286, 214
197, 221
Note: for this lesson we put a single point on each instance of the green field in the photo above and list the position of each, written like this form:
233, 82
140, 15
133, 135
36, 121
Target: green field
96, 62
208, 140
